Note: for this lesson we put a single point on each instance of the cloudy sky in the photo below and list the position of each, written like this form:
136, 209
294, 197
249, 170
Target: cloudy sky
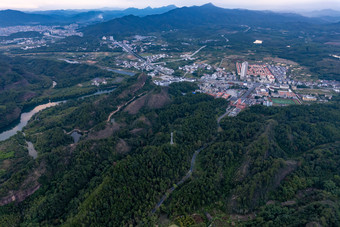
249, 4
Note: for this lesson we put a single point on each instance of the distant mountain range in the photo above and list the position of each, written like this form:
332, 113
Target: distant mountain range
101, 16
205, 16
325, 14
142, 21
14, 18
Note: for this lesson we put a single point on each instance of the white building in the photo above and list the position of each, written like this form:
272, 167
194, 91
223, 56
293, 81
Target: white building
244, 70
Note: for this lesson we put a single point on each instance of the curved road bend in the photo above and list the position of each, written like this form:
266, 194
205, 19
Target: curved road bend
123, 105
192, 165
170, 190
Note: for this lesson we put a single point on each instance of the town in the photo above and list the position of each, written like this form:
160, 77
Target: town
244, 83
249, 84
42, 35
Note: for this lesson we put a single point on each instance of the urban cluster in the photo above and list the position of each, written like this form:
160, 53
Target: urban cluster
261, 84
250, 84
46, 34
61, 31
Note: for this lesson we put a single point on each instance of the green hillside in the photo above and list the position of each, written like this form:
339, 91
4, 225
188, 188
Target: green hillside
280, 164
25, 82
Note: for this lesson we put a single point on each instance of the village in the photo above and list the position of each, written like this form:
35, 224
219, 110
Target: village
41, 35
269, 84
264, 84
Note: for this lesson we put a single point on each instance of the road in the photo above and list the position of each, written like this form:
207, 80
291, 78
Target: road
191, 55
219, 66
228, 110
248, 28
250, 90
170, 190
196, 153
123, 105
226, 39
126, 48
193, 159
197, 51
191, 170
152, 65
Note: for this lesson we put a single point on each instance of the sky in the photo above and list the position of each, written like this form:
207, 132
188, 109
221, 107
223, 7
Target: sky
283, 5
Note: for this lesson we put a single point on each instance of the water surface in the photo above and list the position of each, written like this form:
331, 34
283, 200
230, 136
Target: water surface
76, 136
25, 117
121, 72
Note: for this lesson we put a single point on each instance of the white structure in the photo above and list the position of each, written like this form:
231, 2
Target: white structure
244, 70
172, 138
258, 42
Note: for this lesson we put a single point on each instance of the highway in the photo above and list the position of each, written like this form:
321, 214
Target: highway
127, 49
152, 65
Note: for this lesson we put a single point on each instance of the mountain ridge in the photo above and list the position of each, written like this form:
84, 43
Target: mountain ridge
206, 15
15, 17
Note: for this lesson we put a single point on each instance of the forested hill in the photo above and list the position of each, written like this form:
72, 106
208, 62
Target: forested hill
267, 166
105, 15
207, 15
54, 17
14, 18
25, 82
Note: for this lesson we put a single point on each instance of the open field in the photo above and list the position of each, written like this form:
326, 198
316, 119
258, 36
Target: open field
281, 101
6, 155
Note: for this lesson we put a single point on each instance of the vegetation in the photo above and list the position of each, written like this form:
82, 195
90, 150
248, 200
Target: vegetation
26, 82
6, 155
264, 154
269, 166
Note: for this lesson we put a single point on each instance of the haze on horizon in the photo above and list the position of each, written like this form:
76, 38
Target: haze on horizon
278, 5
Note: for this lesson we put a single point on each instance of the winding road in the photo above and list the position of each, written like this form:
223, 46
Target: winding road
123, 105
170, 190
192, 166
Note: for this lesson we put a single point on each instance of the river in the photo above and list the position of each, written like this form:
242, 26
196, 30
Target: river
25, 117
121, 72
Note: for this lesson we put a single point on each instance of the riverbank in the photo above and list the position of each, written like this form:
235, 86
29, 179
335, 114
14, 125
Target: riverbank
6, 133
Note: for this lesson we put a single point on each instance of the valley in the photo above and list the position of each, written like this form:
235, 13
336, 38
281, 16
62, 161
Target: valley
192, 116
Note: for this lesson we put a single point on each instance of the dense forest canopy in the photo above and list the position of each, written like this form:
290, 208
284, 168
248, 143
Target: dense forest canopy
26, 82
255, 163
121, 151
